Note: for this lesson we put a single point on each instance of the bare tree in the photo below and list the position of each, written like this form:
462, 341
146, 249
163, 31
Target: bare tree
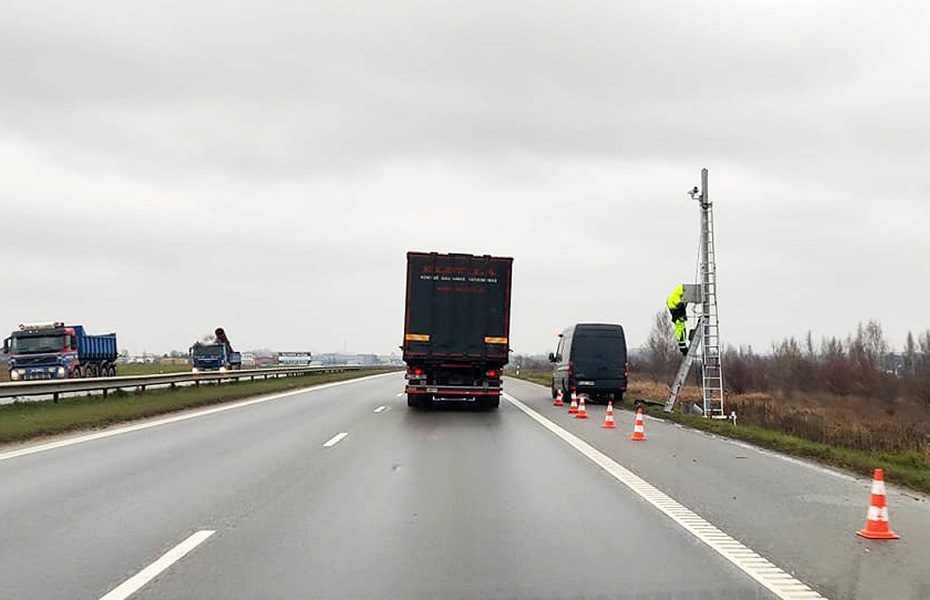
910, 355
923, 341
662, 350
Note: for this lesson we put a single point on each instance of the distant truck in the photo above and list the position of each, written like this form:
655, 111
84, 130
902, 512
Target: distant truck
59, 351
213, 357
457, 327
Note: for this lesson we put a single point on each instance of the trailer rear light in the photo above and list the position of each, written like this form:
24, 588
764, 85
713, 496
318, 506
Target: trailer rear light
493, 373
416, 372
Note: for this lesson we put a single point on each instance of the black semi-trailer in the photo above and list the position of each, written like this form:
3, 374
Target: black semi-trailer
457, 327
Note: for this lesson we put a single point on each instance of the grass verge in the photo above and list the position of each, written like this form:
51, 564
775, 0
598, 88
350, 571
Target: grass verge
909, 469
27, 420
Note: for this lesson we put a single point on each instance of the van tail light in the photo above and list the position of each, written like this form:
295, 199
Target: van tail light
571, 369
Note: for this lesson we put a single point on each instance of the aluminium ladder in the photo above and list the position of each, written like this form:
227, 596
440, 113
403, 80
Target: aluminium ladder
683, 369
709, 325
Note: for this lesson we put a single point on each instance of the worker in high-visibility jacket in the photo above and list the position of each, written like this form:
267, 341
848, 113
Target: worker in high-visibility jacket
677, 307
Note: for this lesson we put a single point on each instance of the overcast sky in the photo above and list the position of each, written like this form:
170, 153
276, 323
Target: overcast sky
168, 167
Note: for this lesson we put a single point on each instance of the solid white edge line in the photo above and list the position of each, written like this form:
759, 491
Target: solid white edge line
175, 419
137, 581
771, 577
381, 408
335, 439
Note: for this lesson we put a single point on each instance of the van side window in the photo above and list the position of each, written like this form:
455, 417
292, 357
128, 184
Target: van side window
558, 348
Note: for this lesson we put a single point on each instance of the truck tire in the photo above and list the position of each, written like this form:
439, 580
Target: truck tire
420, 401
492, 403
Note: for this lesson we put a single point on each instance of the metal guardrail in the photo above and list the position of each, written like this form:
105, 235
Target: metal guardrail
55, 387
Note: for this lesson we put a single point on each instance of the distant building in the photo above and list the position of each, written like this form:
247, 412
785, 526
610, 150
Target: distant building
294, 359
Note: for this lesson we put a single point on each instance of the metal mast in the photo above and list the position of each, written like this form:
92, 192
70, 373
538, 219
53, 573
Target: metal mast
706, 341
711, 364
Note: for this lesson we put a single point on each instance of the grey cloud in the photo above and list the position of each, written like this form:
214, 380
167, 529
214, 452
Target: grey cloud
176, 146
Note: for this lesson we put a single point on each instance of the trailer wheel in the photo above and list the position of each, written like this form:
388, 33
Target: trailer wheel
413, 401
111, 371
492, 403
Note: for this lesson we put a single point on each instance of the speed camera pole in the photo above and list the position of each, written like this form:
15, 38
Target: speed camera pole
706, 342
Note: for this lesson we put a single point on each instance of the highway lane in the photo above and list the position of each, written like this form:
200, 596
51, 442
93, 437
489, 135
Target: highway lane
799, 515
407, 504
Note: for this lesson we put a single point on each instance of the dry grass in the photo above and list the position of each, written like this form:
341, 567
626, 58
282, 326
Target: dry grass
856, 422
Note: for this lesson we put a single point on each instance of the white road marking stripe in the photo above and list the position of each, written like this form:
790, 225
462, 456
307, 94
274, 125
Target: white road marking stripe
335, 439
774, 580
137, 581
381, 409
175, 419
399, 395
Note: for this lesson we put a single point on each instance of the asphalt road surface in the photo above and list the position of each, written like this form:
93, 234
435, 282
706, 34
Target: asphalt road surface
268, 499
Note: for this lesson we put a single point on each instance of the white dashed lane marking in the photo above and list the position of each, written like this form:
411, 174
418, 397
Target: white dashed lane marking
335, 439
137, 581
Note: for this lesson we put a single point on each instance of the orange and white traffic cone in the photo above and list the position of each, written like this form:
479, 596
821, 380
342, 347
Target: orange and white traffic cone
609, 417
573, 407
876, 520
582, 413
639, 430
558, 399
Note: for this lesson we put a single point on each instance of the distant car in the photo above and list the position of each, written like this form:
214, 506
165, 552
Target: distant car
591, 359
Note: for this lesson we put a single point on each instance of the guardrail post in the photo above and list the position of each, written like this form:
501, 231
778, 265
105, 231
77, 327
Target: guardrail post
105, 390
55, 397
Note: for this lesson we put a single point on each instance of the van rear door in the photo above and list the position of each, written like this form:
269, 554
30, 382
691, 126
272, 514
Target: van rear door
599, 357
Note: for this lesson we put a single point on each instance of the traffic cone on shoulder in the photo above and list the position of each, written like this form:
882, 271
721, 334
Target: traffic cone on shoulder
876, 520
558, 399
639, 430
609, 417
573, 407
582, 413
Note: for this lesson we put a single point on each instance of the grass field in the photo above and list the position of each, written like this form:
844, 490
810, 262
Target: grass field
856, 436
150, 369
26, 420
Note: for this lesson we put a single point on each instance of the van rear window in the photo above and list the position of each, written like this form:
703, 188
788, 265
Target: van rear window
605, 346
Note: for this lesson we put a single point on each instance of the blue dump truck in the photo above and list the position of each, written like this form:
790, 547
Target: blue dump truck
59, 351
214, 357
